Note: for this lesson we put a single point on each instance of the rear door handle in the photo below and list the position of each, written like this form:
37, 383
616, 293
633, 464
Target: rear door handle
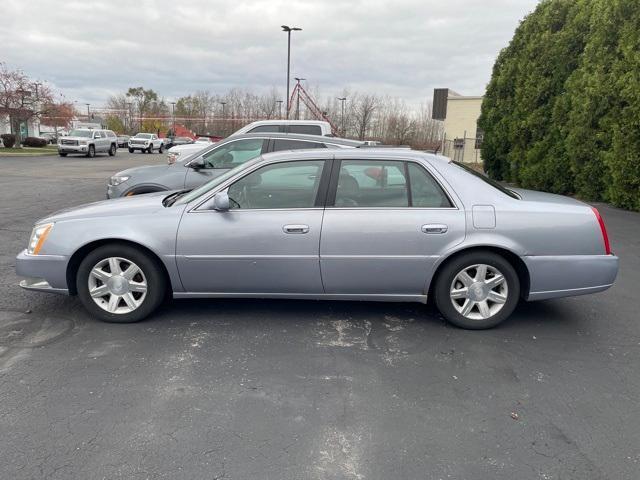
296, 229
434, 228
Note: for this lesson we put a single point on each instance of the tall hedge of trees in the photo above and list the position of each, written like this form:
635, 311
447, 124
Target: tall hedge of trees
562, 109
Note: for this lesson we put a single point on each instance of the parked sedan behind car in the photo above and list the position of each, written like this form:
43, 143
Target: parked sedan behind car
342, 224
215, 159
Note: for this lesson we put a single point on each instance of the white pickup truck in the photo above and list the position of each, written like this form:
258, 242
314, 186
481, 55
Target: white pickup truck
146, 142
306, 127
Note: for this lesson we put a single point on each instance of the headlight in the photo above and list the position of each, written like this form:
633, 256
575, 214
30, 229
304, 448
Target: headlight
118, 179
38, 236
82, 142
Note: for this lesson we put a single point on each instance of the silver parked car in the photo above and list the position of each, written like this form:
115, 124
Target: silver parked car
211, 161
352, 224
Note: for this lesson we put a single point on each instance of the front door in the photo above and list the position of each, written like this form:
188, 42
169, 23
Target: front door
266, 243
385, 225
224, 157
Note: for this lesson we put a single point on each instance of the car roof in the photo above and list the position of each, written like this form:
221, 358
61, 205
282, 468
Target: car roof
288, 122
299, 136
354, 153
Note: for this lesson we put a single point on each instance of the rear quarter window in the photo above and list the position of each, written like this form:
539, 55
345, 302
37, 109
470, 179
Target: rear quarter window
305, 129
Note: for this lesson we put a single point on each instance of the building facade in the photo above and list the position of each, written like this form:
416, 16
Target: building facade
462, 137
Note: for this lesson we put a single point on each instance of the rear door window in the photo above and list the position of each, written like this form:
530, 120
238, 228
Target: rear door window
265, 129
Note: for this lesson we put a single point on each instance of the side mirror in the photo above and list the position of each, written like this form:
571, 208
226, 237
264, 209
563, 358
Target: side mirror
197, 164
221, 201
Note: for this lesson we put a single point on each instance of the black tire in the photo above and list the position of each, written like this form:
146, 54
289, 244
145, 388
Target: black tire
447, 275
92, 151
150, 149
161, 149
156, 282
62, 154
112, 150
131, 150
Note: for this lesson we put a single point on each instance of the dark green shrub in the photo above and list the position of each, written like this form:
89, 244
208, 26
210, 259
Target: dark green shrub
34, 142
8, 139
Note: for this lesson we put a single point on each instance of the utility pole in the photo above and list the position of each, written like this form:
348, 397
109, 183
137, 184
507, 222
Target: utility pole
173, 114
224, 118
288, 29
88, 114
298, 80
130, 127
342, 100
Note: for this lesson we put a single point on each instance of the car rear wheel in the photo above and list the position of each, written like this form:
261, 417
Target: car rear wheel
92, 151
112, 150
477, 290
62, 154
120, 284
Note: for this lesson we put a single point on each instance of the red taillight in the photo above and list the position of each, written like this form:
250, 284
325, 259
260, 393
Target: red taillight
603, 229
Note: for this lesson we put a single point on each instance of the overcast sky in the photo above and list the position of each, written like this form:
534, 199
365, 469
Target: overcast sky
404, 48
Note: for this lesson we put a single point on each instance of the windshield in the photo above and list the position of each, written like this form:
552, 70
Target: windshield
486, 179
81, 133
143, 135
207, 187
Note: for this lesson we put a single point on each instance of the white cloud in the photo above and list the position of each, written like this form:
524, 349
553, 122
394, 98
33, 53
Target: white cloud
402, 48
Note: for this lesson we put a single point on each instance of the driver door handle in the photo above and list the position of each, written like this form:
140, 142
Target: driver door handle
296, 229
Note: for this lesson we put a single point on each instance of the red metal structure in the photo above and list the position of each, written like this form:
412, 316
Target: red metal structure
311, 105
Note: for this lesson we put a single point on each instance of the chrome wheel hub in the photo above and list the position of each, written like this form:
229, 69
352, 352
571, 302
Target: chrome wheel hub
117, 285
479, 291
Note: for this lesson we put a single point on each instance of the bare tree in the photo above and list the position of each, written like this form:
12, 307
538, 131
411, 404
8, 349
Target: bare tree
21, 99
363, 112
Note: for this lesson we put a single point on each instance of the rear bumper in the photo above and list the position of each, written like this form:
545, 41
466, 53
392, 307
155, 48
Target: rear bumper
570, 275
45, 273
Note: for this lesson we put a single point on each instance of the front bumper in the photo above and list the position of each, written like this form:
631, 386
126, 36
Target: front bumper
137, 146
73, 148
45, 273
117, 191
570, 275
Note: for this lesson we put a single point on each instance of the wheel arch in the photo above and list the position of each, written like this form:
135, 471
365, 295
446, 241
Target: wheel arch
514, 259
146, 188
78, 256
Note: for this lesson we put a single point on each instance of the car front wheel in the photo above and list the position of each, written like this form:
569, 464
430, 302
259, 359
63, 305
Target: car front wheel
477, 290
92, 151
161, 149
120, 284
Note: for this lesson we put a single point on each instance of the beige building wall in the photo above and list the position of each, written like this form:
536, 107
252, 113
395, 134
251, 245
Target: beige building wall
462, 122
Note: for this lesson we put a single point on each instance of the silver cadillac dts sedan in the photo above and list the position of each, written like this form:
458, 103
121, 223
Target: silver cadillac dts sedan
358, 224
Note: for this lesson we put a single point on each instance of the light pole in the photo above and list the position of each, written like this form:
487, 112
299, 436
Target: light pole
288, 29
88, 114
130, 117
298, 80
173, 114
342, 100
279, 102
224, 118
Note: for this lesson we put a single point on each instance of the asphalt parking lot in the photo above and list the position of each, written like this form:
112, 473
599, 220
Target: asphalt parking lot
249, 389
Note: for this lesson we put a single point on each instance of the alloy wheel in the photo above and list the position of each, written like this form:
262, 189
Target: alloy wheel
479, 291
117, 285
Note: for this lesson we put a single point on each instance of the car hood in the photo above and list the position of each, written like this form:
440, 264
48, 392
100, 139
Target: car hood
189, 147
148, 171
69, 137
535, 196
136, 205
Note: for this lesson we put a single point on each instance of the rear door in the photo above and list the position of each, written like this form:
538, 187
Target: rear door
385, 225
225, 157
